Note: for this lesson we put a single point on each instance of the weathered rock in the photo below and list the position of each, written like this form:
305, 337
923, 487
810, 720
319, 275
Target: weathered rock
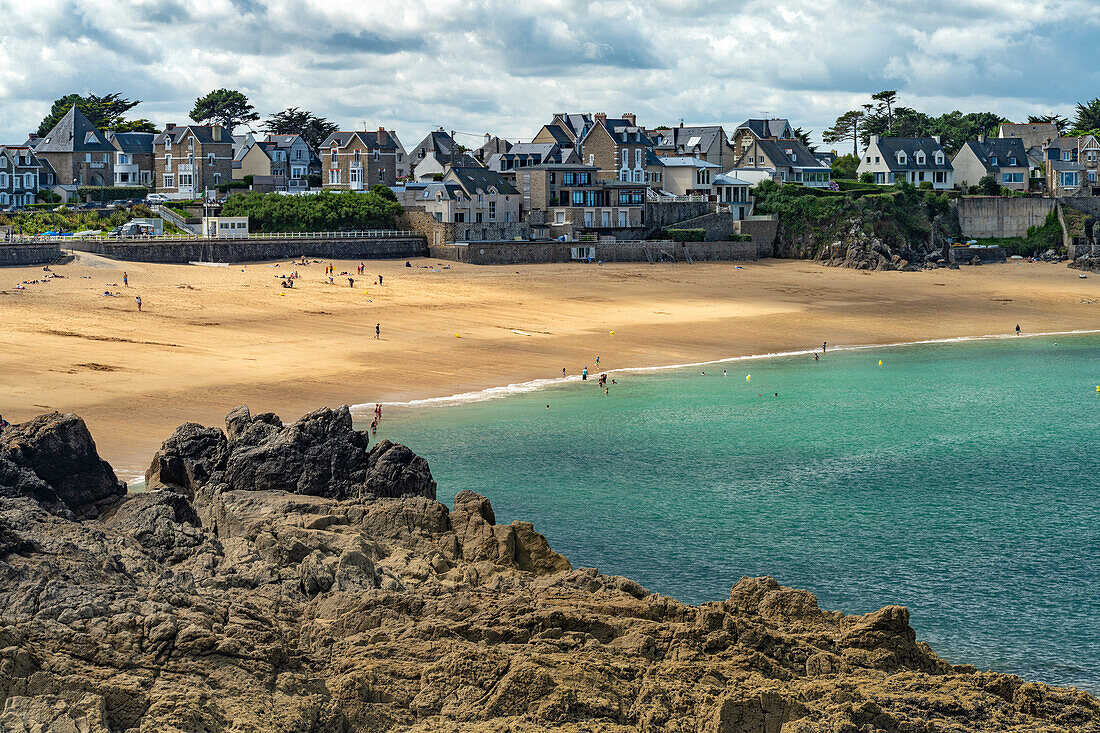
258, 610
58, 450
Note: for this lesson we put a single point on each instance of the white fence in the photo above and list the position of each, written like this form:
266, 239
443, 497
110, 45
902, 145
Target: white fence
362, 234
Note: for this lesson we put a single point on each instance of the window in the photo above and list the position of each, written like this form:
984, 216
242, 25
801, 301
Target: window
626, 158
1067, 155
566, 178
185, 180
993, 160
167, 143
559, 217
87, 157
217, 178
210, 159
1012, 161
168, 162
638, 158
334, 175
381, 176
578, 198
357, 158
28, 180
492, 211
3, 180
332, 157
1012, 178
169, 181
920, 158
622, 218
1092, 176
298, 154
1067, 179
355, 175
123, 159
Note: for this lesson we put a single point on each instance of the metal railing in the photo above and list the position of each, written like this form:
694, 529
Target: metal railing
360, 234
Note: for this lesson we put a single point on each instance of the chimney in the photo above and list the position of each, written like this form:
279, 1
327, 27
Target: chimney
216, 132
600, 117
874, 140
681, 123
631, 118
981, 138
488, 137
936, 138
381, 136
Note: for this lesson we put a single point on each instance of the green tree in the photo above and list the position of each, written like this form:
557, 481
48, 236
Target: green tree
384, 191
107, 112
845, 166
804, 138
845, 128
226, 107
1087, 119
988, 186
886, 100
1059, 122
293, 121
867, 177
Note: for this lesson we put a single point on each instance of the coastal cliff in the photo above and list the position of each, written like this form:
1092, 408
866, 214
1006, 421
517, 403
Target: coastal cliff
280, 577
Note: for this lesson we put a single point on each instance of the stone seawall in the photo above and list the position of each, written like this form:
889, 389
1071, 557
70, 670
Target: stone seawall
512, 253
20, 255
228, 250
1001, 217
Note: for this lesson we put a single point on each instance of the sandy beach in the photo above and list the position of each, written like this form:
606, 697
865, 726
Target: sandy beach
210, 339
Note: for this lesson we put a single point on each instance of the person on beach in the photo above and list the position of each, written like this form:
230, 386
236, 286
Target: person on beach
138, 299
374, 427
126, 282
815, 356
823, 345
597, 361
1017, 329
562, 375
378, 331
379, 279
4, 424
351, 282
584, 373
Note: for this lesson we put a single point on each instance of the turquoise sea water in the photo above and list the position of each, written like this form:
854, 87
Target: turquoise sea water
961, 480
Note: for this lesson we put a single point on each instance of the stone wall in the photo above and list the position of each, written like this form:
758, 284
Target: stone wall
763, 232
20, 255
224, 250
986, 255
510, 253
981, 217
661, 214
717, 226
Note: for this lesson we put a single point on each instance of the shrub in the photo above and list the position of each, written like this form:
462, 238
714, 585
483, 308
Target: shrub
845, 166
384, 191
867, 177
686, 235
326, 211
48, 197
247, 180
740, 237
988, 186
1046, 236
314, 180
926, 185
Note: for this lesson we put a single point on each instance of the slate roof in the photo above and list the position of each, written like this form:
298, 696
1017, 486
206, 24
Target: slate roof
74, 133
480, 180
777, 153
1004, 149
1066, 165
449, 189
625, 133
1032, 133
132, 142
725, 179
204, 134
438, 143
494, 146
685, 162
678, 139
890, 146
561, 137
369, 138
526, 152
574, 125
777, 127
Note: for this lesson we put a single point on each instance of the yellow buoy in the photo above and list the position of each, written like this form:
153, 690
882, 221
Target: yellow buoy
748, 377
612, 333
457, 336
880, 362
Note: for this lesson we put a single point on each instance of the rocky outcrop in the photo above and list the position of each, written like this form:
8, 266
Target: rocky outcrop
219, 601
53, 460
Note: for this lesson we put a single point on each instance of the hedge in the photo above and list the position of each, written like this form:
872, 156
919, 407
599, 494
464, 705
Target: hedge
740, 237
112, 193
686, 235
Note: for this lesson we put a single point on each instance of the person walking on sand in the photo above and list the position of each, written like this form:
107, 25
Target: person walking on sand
584, 373
379, 279
138, 299
597, 361
823, 345
1017, 329
563, 372
351, 282
126, 280
378, 330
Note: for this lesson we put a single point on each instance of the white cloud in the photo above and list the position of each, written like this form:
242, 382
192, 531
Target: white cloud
504, 66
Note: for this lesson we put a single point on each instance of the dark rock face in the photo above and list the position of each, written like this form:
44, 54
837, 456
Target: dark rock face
201, 606
59, 452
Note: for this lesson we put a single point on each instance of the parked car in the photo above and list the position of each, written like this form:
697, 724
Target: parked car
132, 229
156, 198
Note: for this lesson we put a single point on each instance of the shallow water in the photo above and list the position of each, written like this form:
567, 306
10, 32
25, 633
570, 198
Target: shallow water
960, 480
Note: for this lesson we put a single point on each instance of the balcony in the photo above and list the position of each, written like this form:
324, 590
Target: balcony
185, 168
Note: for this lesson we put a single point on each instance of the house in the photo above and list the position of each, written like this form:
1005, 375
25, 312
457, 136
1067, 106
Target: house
790, 159
826, 158
355, 161
910, 159
570, 200
492, 146
566, 129
617, 147
541, 186
686, 176
760, 129
1033, 134
435, 153
1003, 158
1071, 165
525, 155
191, 159
469, 204
733, 194
21, 175
708, 143
78, 153
133, 158
283, 161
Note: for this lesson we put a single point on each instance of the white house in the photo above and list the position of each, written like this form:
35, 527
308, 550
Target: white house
734, 193
911, 159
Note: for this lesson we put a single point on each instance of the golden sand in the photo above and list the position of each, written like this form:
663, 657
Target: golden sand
210, 339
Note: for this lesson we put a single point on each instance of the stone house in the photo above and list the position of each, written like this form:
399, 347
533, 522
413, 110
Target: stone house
1003, 158
355, 161
541, 186
790, 159
749, 131
282, 161
1071, 164
566, 129
910, 159
77, 152
707, 142
133, 158
191, 159
21, 175
469, 204
618, 148
525, 155
434, 153
492, 146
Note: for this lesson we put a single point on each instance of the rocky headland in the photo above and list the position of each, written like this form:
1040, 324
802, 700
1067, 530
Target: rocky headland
296, 578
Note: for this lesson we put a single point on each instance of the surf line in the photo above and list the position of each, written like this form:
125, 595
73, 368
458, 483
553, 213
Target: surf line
533, 385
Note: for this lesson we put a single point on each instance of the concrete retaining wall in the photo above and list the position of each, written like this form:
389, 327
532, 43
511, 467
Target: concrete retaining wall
511, 253
20, 255
763, 232
660, 214
223, 250
717, 226
985, 255
1001, 217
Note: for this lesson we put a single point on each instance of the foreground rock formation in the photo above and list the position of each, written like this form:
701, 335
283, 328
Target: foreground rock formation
292, 578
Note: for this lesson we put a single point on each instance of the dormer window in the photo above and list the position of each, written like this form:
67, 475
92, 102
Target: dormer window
89, 138
901, 157
939, 158
920, 158
993, 160
1012, 161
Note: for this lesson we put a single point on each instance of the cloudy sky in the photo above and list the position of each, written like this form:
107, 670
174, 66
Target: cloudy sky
505, 66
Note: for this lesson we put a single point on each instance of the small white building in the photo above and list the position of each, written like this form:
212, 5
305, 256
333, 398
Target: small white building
734, 194
225, 227
910, 159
